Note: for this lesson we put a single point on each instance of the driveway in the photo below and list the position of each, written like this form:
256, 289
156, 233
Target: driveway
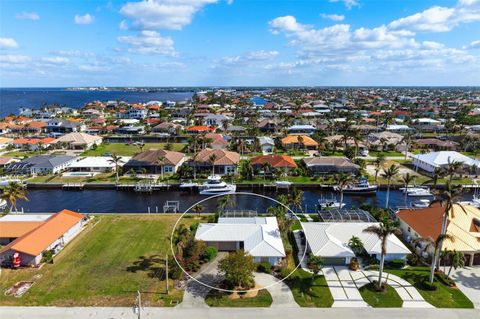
281, 294
195, 293
468, 280
343, 288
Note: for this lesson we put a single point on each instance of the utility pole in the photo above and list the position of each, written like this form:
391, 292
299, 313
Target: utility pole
138, 306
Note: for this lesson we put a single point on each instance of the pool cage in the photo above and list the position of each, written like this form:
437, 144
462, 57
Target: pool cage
238, 213
345, 215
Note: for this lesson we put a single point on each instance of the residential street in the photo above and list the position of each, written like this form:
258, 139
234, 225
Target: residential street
234, 313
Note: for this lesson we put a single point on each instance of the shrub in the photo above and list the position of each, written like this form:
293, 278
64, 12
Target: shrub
210, 253
412, 259
174, 271
47, 256
444, 279
396, 263
264, 267
354, 265
428, 286
284, 272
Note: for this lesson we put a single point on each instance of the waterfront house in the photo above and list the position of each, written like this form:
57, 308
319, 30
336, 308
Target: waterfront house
216, 120
301, 129
299, 142
79, 140
167, 127
130, 130
277, 161
37, 235
435, 144
5, 142
98, 164
258, 236
330, 241
41, 165
225, 162
4, 160
386, 138
428, 162
327, 165
216, 141
155, 162
200, 129
463, 226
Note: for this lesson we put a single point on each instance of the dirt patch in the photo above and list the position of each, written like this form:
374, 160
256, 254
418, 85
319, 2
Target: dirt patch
252, 293
19, 289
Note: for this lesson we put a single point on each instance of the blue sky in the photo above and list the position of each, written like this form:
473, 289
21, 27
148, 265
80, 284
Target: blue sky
239, 42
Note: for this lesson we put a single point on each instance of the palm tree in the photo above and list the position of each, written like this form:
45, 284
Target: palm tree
226, 201
407, 179
266, 167
13, 192
296, 197
116, 160
315, 263
389, 174
452, 168
435, 246
447, 198
161, 162
197, 208
378, 165
342, 181
407, 140
383, 231
356, 244
437, 173
457, 260
212, 159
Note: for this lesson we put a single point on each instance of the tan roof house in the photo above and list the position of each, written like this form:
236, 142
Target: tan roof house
224, 162
78, 140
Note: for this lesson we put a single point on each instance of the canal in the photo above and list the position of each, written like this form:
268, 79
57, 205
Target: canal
113, 201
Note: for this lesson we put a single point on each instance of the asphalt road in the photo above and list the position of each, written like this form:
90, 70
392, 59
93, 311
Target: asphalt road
234, 313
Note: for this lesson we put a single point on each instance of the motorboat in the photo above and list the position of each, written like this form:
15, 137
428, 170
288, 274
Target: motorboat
325, 203
188, 185
215, 186
360, 187
5, 182
421, 203
419, 192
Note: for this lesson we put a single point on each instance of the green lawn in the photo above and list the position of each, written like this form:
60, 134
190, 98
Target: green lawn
105, 265
129, 149
308, 294
443, 297
385, 299
378, 153
99, 178
217, 298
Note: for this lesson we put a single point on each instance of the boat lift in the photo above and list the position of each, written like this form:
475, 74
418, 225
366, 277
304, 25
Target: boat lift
171, 206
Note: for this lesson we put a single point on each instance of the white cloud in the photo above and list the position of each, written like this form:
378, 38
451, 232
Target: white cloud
440, 19
73, 53
56, 60
333, 17
149, 42
8, 43
247, 59
15, 59
85, 19
473, 45
163, 14
123, 25
348, 3
27, 16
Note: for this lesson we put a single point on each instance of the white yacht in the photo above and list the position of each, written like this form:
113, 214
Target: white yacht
419, 192
215, 186
325, 203
188, 185
283, 184
421, 203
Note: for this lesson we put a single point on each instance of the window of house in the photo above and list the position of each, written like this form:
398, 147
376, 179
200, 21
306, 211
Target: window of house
168, 169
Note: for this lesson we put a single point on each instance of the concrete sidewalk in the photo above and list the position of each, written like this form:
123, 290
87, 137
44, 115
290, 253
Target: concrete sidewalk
281, 294
234, 313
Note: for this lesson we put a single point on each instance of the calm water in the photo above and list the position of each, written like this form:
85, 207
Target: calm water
112, 201
258, 100
12, 99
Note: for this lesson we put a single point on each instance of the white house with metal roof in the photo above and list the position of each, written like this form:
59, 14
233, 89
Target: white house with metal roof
330, 241
428, 162
257, 236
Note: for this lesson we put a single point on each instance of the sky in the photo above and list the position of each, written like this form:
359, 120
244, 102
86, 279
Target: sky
66, 43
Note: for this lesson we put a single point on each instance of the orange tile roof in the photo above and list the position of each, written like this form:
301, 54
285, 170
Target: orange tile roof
427, 222
292, 139
12, 229
36, 241
200, 128
33, 141
277, 161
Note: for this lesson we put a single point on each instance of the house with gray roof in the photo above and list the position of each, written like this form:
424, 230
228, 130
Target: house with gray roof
41, 164
323, 165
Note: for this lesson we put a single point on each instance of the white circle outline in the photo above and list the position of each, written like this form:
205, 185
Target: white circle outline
228, 290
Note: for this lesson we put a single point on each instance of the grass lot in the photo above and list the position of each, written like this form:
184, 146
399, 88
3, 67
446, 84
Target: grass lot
22, 154
443, 297
105, 265
386, 154
128, 149
99, 178
217, 298
307, 294
386, 299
